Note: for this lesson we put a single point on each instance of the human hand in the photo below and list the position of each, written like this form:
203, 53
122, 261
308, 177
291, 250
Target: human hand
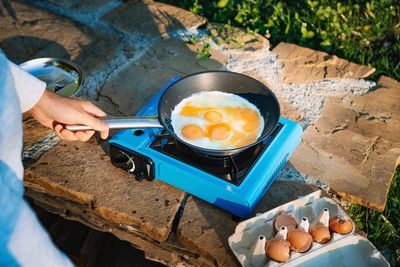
54, 111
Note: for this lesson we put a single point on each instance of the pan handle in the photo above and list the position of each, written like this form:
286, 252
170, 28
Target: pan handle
122, 123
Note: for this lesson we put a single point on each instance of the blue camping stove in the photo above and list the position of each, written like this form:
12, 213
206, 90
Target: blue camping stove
235, 183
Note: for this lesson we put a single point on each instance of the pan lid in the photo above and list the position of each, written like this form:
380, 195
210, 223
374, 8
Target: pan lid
61, 76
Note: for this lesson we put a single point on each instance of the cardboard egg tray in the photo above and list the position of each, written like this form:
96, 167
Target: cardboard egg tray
341, 250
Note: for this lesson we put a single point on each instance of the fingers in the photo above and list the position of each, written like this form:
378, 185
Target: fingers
84, 136
92, 109
65, 134
80, 112
68, 135
104, 134
94, 123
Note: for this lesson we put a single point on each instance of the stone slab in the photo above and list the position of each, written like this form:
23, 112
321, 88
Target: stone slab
162, 252
107, 105
79, 5
33, 32
354, 146
151, 19
169, 253
205, 228
83, 173
135, 85
304, 65
33, 131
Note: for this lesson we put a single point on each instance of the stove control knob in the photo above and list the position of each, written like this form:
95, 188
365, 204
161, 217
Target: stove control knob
141, 166
132, 165
124, 161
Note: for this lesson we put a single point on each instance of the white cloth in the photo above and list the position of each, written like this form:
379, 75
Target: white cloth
22, 91
29, 89
31, 245
23, 242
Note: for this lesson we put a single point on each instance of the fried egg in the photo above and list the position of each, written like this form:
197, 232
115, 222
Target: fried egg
217, 120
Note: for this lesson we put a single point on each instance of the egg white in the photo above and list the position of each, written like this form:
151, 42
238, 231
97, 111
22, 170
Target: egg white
210, 99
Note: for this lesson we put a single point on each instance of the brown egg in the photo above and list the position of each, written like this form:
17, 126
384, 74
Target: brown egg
340, 225
320, 233
300, 241
278, 249
285, 220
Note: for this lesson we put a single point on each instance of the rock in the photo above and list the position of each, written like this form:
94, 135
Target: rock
108, 106
73, 170
44, 184
33, 131
354, 146
80, 5
169, 252
205, 228
282, 192
141, 80
161, 252
304, 65
33, 33
152, 19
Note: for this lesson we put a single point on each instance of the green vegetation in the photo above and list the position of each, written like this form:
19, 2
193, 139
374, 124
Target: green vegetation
205, 51
382, 228
366, 32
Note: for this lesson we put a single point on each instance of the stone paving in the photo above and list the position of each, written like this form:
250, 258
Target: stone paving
129, 50
353, 146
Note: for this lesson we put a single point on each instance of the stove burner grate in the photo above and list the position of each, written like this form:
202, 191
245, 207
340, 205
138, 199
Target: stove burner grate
232, 169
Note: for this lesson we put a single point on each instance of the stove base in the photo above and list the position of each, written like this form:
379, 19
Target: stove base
132, 150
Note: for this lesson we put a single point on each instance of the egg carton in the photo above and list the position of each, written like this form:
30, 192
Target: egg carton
341, 250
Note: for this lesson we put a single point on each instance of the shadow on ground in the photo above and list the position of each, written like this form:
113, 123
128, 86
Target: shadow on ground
88, 247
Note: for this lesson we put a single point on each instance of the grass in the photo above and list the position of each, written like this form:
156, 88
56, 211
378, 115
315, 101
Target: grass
382, 228
365, 32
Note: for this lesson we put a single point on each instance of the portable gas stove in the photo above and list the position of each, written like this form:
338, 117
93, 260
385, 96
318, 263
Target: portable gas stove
235, 183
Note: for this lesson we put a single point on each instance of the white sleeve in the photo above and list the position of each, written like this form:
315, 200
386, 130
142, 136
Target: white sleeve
31, 245
29, 88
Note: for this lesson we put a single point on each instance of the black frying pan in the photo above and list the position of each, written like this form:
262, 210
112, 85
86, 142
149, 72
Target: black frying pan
224, 81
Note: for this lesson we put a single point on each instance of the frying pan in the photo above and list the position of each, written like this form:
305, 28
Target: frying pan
224, 81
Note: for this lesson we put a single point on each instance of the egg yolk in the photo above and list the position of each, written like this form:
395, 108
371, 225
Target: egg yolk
192, 131
213, 116
192, 111
218, 131
250, 119
219, 124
